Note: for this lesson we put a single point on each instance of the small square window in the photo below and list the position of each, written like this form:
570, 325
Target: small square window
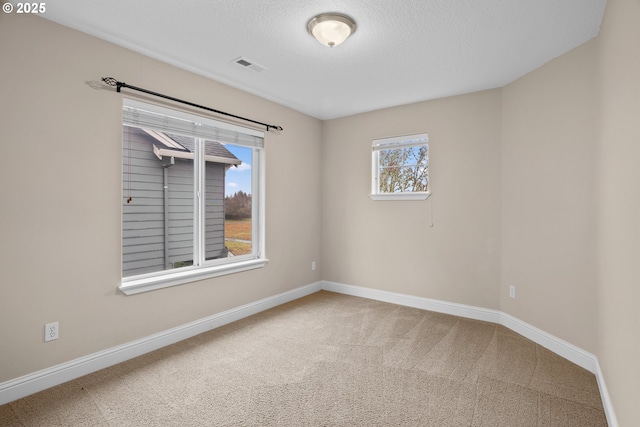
400, 168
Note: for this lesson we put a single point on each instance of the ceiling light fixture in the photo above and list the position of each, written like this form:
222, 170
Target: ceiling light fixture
331, 29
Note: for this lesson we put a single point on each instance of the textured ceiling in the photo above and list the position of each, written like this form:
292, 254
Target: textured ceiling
403, 50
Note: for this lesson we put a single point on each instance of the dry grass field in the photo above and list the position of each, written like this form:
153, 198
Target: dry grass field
237, 235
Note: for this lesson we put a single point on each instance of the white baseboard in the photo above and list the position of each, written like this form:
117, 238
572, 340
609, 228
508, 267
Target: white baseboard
562, 348
606, 399
46, 378
570, 352
462, 310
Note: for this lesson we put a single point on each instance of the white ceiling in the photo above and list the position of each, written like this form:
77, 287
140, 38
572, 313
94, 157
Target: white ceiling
403, 51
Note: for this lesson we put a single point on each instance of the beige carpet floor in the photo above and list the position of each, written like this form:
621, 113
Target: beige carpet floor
330, 360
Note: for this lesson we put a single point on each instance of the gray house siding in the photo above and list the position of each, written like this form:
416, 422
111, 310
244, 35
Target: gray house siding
143, 242
214, 211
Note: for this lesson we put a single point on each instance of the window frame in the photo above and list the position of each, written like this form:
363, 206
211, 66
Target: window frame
397, 142
203, 269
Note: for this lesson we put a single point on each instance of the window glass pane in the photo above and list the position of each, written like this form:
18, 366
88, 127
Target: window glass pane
416, 172
402, 170
158, 202
238, 202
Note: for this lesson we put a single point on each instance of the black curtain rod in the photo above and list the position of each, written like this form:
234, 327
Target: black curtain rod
119, 85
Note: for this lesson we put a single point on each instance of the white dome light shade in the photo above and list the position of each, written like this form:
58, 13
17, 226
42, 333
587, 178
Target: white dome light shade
331, 29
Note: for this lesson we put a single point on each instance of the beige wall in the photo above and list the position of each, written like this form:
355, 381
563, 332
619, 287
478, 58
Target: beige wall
60, 198
548, 197
619, 206
389, 245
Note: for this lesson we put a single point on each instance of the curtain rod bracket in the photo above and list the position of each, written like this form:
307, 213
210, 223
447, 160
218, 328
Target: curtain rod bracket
119, 85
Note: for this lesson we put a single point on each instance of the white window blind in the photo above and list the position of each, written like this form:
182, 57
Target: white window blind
399, 142
172, 121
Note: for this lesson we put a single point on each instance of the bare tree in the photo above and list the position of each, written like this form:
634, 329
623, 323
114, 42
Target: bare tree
403, 170
237, 206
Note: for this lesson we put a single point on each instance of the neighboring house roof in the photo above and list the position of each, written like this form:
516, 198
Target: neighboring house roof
170, 145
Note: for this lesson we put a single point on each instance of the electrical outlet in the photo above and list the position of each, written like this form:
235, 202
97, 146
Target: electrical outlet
51, 331
313, 266
512, 291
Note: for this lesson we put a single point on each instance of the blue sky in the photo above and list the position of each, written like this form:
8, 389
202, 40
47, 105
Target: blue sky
239, 178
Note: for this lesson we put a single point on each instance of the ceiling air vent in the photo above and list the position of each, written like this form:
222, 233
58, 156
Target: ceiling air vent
246, 63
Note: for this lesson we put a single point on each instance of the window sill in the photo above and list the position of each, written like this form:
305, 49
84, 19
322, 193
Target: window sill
135, 286
400, 196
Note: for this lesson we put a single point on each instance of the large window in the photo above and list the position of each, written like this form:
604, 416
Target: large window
192, 202
400, 168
